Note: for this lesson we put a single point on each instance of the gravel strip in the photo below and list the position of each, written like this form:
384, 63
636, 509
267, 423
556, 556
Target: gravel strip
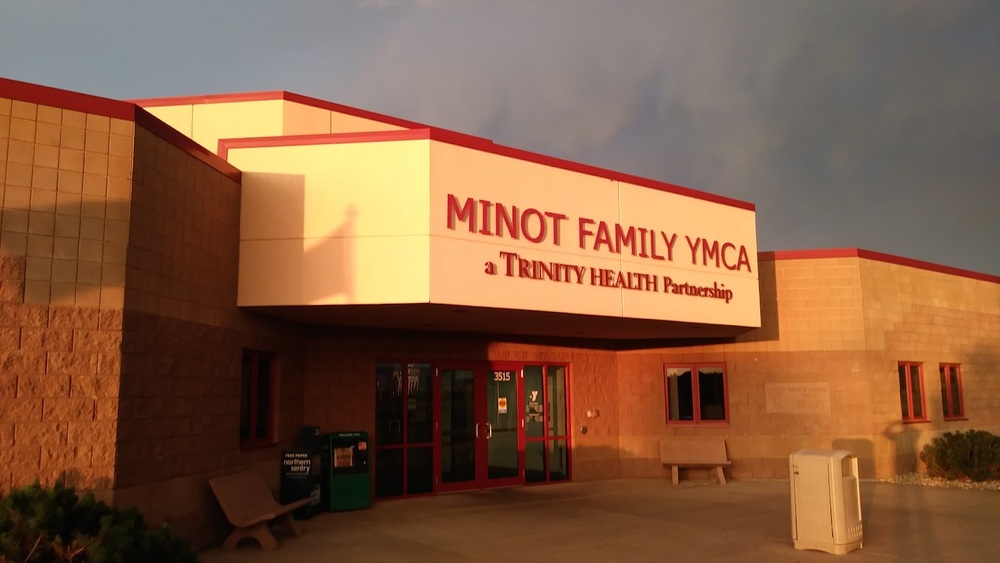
927, 481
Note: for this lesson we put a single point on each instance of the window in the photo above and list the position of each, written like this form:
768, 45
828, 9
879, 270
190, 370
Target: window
546, 432
257, 399
951, 391
696, 393
404, 428
911, 392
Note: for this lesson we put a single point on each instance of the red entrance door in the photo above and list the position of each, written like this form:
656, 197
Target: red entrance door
478, 426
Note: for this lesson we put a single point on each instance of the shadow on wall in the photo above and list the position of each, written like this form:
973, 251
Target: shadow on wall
74, 252
861, 448
276, 211
329, 266
66, 253
768, 283
100, 487
983, 368
904, 444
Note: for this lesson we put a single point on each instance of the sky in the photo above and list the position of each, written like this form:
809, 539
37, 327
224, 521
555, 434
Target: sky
848, 123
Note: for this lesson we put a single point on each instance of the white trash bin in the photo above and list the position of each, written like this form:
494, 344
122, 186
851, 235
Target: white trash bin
826, 501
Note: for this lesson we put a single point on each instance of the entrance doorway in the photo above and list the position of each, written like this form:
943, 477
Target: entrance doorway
478, 424
471, 425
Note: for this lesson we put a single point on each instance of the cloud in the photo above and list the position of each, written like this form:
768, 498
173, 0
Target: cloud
847, 125
387, 4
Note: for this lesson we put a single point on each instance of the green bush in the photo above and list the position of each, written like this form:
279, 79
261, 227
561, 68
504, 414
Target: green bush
973, 454
43, 524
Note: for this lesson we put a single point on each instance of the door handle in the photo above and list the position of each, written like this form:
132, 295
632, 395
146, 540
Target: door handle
489, 430
477, 430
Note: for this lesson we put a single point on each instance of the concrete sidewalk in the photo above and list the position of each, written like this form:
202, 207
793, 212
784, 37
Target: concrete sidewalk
639, 520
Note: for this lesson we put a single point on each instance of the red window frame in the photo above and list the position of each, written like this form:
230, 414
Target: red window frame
549, 437
951, 383
405, 446
250, 439
910, 372
696, 394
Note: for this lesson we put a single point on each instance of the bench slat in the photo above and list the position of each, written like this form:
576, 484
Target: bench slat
704, 452
697, 462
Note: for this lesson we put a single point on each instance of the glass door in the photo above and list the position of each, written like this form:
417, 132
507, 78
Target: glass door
469, 425
478, 424
504, 458
458, 429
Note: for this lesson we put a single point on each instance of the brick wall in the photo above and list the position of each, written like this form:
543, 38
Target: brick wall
182, 344
784, 379
133, 394
930, 318
63, 230
821, 370
178, 362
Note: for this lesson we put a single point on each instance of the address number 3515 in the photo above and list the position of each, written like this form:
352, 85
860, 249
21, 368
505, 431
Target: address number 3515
501, 376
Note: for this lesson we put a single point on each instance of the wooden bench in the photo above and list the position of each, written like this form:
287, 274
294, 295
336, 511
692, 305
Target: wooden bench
250, 506
701, 452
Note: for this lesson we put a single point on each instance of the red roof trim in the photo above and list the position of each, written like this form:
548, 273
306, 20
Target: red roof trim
209, 99
321, 139
55, 97
116, 109
444, 135
877, 256
347, 110
475, 143
278, 95
488, 146
809, 254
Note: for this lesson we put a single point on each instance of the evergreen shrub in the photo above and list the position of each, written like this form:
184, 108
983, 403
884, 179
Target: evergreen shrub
973, 454
52, 524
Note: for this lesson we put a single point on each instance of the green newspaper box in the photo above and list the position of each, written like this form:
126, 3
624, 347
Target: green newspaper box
349, 482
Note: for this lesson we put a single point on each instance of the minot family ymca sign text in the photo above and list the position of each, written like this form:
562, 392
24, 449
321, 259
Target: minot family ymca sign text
494, 219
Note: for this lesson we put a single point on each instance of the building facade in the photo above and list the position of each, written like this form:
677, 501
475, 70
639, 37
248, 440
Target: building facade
186, 282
